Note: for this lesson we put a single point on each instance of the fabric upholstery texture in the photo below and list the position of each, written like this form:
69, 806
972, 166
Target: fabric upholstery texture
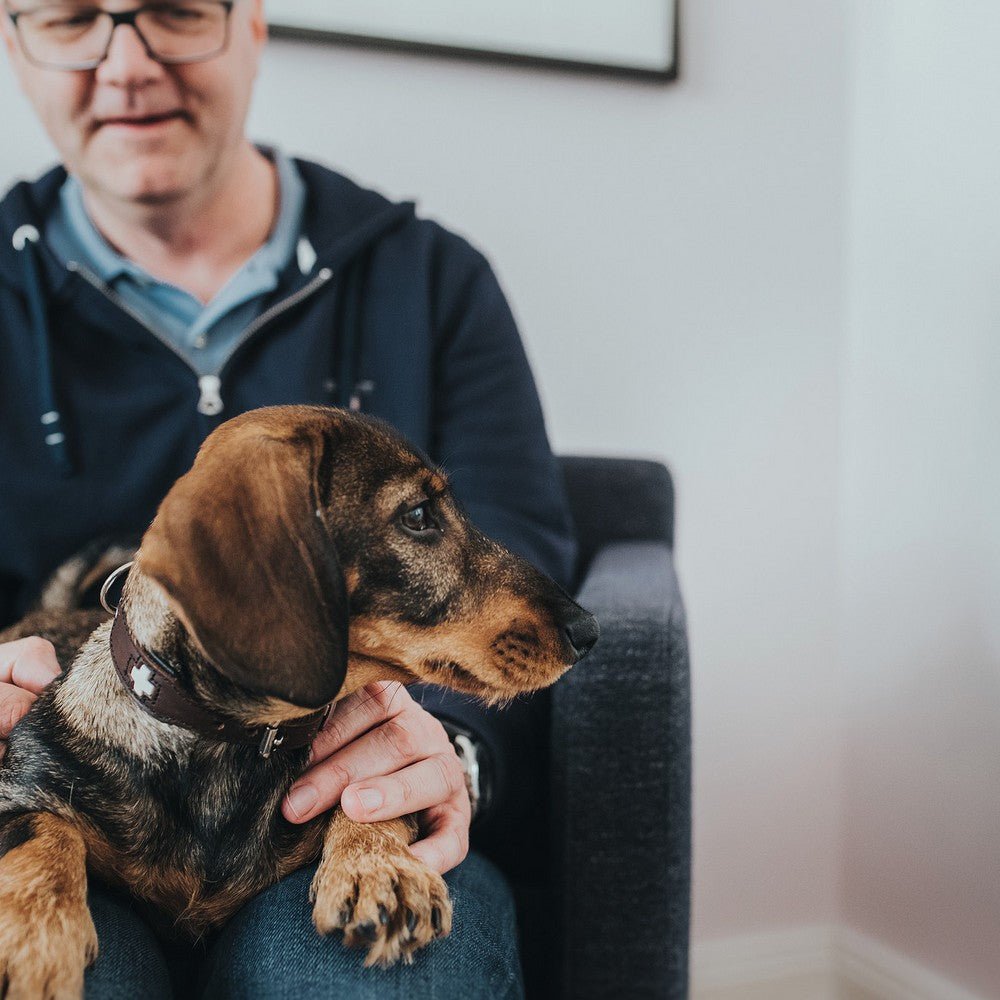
612, 920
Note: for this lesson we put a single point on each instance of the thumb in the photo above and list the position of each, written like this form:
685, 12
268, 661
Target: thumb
14, 703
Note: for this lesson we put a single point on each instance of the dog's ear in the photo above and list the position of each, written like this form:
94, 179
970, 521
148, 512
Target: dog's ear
241, 549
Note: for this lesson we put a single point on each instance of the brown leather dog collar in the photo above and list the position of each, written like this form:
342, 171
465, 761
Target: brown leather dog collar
154, 686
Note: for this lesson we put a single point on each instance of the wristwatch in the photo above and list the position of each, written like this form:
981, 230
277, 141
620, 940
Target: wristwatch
474, 758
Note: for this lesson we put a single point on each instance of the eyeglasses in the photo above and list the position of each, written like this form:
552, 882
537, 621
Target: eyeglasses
75, 36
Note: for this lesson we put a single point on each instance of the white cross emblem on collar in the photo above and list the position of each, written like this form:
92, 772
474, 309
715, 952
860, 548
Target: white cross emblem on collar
141, 677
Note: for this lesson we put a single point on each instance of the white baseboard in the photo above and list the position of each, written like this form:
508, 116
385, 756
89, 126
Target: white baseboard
782, 965
812, 963
867, 968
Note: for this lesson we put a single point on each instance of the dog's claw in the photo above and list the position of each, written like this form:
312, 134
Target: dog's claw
391, 906
367, 931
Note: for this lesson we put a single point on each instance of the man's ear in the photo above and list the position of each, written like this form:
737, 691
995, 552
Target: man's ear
252, 573
7, 33
258, 22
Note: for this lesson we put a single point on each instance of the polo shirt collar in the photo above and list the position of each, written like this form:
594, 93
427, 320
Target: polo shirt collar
271, 258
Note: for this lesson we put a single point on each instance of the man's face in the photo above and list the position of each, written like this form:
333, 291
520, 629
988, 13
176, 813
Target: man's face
135, 130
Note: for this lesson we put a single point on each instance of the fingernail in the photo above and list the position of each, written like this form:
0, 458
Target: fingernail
301, 799
370, 798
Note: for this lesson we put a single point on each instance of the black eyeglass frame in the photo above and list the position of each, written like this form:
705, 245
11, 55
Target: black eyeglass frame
123, 17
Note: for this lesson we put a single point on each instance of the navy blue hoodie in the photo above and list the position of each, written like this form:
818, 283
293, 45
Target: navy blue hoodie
394, 310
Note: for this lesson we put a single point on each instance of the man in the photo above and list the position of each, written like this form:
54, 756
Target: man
170, 275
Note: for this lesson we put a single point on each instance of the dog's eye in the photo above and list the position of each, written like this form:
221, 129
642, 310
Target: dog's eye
419, 519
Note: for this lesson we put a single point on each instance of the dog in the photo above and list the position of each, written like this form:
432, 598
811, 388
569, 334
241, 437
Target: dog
308, 552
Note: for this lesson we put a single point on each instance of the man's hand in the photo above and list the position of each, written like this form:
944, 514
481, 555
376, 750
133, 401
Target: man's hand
26, 666
380, 755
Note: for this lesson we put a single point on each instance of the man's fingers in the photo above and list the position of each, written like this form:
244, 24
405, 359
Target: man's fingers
14, 703
30, 663
447, 842
357, 713
26, 667
427, 783
402, 740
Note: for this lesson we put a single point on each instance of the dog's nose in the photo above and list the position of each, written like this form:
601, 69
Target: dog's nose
582, 633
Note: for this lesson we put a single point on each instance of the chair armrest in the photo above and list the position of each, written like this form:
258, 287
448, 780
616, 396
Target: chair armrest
621, 785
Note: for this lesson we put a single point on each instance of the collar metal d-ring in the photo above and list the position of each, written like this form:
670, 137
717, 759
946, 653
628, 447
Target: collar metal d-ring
107, 586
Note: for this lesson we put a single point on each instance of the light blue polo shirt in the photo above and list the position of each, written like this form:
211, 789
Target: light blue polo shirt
204, 333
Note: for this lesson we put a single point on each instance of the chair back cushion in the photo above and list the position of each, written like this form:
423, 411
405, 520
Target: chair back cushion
617, 500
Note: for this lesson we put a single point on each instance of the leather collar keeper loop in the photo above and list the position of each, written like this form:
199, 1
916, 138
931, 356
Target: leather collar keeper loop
153, 684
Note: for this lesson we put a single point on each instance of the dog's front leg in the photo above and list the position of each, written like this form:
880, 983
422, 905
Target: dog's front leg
373, 889
47, 937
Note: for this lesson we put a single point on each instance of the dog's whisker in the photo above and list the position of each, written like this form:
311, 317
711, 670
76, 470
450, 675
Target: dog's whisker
393, 698
364, 702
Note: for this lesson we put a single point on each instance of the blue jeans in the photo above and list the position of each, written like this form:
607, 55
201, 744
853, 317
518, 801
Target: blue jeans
269, 950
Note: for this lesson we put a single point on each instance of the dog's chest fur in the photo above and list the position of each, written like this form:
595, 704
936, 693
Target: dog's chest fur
191, 825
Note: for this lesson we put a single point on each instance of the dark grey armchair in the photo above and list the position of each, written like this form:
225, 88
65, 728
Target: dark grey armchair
619, 759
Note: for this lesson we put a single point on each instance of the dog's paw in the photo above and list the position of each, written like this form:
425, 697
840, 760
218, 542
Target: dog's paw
390, 904
43, 955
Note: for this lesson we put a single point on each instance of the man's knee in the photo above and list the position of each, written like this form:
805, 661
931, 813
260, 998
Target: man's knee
271, 950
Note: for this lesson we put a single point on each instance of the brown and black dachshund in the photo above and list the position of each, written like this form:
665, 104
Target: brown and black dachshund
308, 552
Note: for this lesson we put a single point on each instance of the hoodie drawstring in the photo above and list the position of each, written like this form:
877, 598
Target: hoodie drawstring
345, 379
350, 387
25, 242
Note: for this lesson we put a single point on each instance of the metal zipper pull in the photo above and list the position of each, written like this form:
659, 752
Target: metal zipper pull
211, 401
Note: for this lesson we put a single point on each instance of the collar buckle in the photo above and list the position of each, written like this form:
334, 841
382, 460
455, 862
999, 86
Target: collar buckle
270, 740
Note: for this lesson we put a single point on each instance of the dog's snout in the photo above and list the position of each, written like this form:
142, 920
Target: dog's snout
581, 633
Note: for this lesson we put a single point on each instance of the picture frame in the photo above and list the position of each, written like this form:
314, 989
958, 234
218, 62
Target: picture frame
636, 39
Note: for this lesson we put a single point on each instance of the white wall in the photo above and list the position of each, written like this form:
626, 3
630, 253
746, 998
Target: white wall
921, 484
680, 260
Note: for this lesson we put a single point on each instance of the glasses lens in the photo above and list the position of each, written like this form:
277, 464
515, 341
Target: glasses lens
75, 36
184, 31
64, 34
